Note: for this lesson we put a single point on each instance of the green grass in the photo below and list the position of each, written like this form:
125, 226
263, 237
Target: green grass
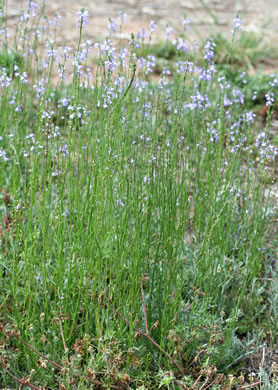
10, 58
162, 49
251, 53
251, 49
136, 228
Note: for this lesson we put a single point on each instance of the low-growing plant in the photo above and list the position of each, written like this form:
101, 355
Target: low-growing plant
251, 49
11, 60
134, 219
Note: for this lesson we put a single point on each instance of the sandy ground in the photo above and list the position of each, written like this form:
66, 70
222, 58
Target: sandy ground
206, 15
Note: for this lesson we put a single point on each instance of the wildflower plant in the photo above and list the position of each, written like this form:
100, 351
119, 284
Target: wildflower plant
134, 213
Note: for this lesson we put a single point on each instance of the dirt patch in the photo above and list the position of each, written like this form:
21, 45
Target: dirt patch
205, 15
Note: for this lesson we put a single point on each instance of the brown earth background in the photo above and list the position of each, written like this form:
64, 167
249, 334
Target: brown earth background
206, 16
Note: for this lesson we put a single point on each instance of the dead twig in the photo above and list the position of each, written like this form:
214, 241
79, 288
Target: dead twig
95, 381
21, 381
145, 313
207, 387
148, 337
194, 360
197, 381
40, 354
62, 335
204, 384
252, 385
188, 307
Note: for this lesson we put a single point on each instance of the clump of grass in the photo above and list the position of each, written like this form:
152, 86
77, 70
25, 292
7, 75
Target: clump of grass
135, 246
11, 60
162, 49
251, 49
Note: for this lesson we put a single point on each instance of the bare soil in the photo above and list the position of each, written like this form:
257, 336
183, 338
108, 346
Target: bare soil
206, 15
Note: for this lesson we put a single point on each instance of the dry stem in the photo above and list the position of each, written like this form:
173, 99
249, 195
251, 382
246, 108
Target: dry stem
22, 382
148, 337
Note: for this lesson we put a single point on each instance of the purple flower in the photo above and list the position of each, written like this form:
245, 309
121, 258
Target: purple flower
23, 78
227, 101
269, 98
206, 75
151, 62
3, 155
237, 25
39, 88
166, 71
265, 150
222, 85
65, 101
119, 82
152, 26
212, 132
199, 101
209, 49
239, 96
169, 31
141, 62
122, 16
242, 76
274, 82
5, 81
186, 23
146, 110
261, 139
180, 44
113, 25
19, 108
64, 150
249, 117
123, 54
82, 18
24, 16
195, 46
142, 34
162, 83
111, 64
52, 53
57, 17
185, 66
140, 86
66, 49
33, 7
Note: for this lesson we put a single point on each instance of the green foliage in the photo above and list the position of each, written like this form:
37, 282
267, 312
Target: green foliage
255, 83
9, 58
249, 50
135, 222
162, 49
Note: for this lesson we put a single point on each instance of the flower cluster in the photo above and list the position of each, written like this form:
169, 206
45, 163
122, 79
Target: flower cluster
237, 25
82, 20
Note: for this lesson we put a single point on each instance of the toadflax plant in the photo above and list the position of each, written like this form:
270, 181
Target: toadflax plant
134, 211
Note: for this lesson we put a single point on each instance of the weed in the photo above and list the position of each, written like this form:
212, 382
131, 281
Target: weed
136, 213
